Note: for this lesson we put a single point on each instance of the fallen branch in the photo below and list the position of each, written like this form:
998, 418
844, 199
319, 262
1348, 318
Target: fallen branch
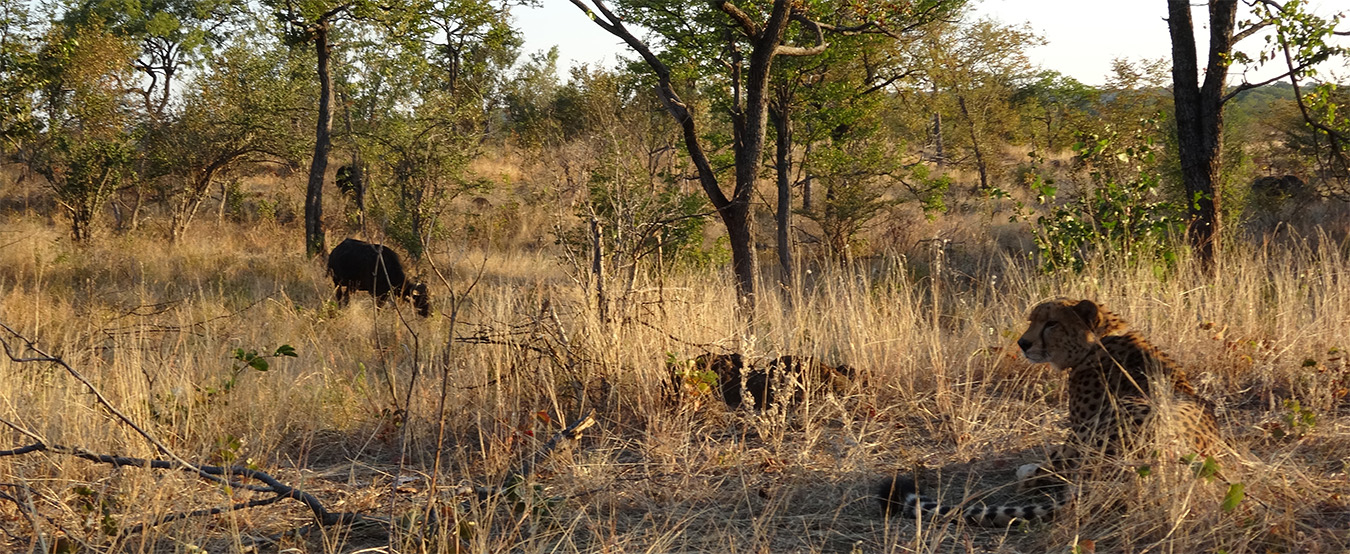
25, 507
280, 491
214, 474
98, 395
224, 476
230, 477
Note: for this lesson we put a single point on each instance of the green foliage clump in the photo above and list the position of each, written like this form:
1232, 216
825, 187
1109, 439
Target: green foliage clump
1298, 421
1123, 213
84, 174
638, 222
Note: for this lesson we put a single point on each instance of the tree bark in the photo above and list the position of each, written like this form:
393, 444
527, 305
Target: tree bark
357, 174
1199, 116
783, 168
808, 184
598, 270
323, 144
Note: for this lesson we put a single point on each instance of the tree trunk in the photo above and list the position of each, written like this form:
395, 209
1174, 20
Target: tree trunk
749, 149
974, 143
783, 168
808, 182
736, 218
323, 138
224, 198
358, 169
1199, 115
598, 270
939, 151
749, 120
139, 200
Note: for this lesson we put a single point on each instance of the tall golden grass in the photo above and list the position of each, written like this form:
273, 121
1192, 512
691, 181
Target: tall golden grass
356, 418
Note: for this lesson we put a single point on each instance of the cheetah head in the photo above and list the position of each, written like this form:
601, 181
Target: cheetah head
1063, 331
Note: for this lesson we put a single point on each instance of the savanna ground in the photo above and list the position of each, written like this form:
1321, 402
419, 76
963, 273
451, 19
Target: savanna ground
386, 414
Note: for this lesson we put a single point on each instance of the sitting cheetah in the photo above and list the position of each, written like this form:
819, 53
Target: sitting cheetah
1112, 412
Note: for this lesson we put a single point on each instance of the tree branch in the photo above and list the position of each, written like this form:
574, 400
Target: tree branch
819, 47
741, 18
98, 395
887, 82
1249, 31
666, 93
214, 474
1248, 86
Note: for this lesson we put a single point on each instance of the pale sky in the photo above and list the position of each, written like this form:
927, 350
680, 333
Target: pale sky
1083, 36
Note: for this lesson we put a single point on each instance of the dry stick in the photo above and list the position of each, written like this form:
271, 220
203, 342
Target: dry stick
406, 435
209, 473
570, 434
163, 307
41, 445
705, 346
455, 304
203, 512
29, 511
565, 436
103, 400
215, 473
65, 534
482, 339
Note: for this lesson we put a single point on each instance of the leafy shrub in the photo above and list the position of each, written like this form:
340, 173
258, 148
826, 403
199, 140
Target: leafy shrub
1122, 214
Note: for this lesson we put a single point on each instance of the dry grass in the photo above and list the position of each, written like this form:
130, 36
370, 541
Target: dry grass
945, 395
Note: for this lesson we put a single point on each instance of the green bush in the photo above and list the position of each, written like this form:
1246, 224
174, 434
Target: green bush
1121, 214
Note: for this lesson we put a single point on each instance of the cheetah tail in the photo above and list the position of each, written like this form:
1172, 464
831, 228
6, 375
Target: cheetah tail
900, 496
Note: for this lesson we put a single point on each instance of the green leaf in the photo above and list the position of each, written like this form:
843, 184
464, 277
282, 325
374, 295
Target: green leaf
1207, 470
285, 350
258, 363
1234, 497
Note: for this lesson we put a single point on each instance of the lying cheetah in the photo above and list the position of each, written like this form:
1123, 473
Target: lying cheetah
1112, 411
765, 380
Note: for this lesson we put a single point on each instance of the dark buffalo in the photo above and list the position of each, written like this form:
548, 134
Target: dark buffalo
360, 265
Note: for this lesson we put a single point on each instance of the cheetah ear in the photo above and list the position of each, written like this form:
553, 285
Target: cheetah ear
1090, 313
1099, 320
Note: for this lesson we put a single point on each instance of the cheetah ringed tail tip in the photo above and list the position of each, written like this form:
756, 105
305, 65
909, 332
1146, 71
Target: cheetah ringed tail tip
900, 496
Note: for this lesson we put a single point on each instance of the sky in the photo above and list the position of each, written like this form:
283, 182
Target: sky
1081, 40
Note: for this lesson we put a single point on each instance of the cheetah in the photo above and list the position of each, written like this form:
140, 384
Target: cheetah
764, 379
1112, 411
